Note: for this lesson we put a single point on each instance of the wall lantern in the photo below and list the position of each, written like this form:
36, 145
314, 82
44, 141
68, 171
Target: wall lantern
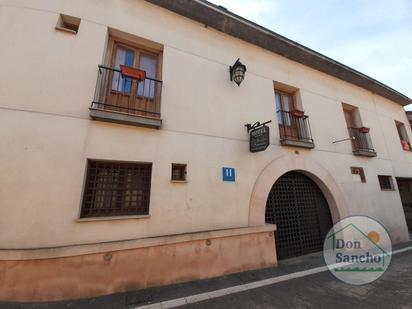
237, 72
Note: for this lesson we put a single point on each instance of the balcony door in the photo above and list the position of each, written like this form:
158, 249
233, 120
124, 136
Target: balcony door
350, 118
284, 105
129, 95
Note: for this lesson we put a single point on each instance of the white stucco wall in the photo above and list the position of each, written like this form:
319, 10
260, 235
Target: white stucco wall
47, 84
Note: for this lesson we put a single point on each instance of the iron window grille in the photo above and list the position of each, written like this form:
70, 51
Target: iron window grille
361, 140
294, 128
385, 182
179, 172
116, 189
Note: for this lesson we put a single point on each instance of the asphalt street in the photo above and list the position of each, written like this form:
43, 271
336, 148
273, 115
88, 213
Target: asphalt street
323, 290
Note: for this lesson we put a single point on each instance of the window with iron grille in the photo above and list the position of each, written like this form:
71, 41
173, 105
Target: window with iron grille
116, 189
178, 172
386, 182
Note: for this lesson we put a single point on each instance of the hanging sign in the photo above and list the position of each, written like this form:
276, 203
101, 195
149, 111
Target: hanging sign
259, 136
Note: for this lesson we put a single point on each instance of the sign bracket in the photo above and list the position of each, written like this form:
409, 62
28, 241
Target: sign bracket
257, 124
258, 136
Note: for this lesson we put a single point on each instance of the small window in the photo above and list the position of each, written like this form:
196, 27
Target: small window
116, 189
403, 136
179, 172
386, 182
358, 171
68, 23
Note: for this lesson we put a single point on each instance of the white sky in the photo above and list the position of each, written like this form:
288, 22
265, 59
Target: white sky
371, 36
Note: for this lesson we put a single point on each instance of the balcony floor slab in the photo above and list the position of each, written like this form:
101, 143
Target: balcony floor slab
297, 143
364, 153
116, 117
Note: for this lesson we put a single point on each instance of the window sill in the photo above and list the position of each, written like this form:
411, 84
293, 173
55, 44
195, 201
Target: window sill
178, 181
65, 30
113, 218
388, 189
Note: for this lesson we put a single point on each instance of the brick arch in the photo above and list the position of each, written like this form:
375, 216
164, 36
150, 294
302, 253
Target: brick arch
309, 167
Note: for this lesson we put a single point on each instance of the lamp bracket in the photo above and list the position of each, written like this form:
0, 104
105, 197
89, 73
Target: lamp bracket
345, 139
232, 67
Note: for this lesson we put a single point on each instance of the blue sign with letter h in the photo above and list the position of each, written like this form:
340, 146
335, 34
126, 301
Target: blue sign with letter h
228, 174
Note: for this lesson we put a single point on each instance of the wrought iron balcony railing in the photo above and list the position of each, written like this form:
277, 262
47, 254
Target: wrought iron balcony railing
361, 142
126, 96
294, 129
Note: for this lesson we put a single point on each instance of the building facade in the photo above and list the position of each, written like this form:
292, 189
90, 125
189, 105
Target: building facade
126, 163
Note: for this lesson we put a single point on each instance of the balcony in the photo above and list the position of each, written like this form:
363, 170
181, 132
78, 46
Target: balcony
294, 130
127, 100
361, 143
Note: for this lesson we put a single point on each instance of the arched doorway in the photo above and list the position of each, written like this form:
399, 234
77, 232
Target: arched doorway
301, 213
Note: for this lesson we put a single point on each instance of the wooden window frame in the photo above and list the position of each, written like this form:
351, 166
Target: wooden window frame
353, 113
284, 119
123, 94
137, 48
292, 98
403, 134
137, 52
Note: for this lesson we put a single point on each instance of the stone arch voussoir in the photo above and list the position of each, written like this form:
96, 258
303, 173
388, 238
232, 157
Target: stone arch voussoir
307, 166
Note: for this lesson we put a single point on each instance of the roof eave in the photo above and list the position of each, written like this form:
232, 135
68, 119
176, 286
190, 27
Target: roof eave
220, 19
